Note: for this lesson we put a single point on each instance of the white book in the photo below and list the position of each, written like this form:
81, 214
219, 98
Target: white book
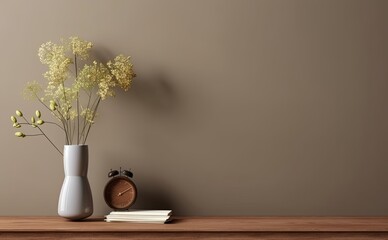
138, 218
160, 221
142, 213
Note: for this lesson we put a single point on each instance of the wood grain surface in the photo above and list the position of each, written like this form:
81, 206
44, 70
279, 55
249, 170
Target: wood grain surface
199, 228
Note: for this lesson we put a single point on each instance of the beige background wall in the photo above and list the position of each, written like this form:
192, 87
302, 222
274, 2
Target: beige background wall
239, 107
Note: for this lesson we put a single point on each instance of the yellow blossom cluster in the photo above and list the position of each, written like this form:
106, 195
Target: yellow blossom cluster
80, 47
32, 90
69, 76
97, 75
65, 96
121, 68
88, 114
54, 56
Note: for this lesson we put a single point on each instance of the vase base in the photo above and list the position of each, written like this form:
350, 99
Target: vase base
75, 217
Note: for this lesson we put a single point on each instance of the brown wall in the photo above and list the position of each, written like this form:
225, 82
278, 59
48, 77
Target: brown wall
239, 108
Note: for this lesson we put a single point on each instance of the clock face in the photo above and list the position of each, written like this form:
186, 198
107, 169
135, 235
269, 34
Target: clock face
120, 193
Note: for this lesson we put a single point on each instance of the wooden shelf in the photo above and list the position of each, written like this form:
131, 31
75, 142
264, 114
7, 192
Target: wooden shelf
201, 227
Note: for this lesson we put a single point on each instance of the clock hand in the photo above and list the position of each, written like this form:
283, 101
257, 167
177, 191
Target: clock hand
126, 190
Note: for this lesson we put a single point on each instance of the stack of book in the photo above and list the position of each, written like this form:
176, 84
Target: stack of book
140, 216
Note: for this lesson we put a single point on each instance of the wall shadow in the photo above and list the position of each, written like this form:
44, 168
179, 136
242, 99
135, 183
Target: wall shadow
156, 94
151, 196
151, 88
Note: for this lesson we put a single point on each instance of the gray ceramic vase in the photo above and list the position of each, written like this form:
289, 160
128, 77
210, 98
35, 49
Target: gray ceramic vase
75, 200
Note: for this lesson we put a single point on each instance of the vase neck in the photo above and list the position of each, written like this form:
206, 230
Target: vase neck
75, 160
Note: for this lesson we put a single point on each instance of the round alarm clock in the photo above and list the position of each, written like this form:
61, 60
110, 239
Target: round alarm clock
120, 192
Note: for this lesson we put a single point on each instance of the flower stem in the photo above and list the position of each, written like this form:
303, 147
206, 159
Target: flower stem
50, 141
56, 124
66, 113
85, 122
76, 76
60, 117
90, 124
43, 135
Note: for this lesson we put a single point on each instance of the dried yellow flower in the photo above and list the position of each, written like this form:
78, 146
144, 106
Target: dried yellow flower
19, 113
74, 89
80, 47
19, 134
122, 70
32, 90
13, 119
